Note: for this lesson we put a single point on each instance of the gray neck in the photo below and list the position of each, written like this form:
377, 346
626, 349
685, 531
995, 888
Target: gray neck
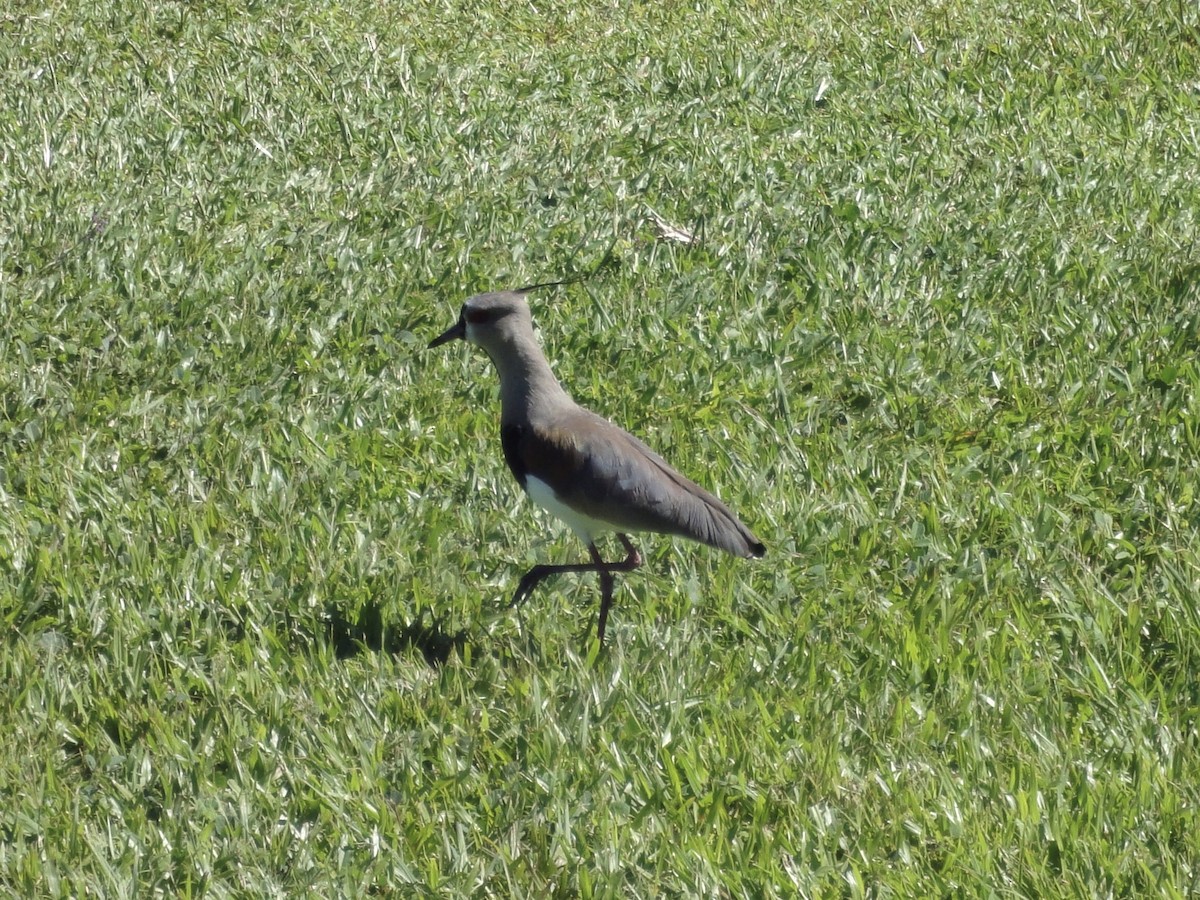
527, 383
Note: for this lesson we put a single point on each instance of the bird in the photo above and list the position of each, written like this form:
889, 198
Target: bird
589, 473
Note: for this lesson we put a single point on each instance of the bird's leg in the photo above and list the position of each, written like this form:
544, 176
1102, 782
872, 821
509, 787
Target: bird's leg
534, 577
606, 591
632, 560
537, 574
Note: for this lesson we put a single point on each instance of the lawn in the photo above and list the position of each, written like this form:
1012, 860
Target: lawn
936, 341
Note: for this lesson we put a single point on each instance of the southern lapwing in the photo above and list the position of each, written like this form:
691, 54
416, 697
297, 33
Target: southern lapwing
585, 470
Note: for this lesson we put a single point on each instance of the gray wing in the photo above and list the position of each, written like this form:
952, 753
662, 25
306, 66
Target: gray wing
608, 474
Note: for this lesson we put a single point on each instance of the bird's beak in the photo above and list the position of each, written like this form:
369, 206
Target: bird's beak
457, 331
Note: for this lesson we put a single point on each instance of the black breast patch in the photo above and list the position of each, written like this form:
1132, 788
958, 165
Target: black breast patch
511, 437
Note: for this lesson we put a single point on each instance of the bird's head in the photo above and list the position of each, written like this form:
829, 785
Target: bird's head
489, 321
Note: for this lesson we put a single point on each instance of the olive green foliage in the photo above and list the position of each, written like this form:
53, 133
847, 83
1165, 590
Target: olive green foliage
935, 340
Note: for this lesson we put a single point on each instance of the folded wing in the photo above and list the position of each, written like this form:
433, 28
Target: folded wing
607, 474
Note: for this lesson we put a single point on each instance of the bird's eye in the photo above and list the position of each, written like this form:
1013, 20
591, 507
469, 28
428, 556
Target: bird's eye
478, 316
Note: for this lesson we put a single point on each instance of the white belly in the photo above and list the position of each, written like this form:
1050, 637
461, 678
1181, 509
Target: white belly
585, 526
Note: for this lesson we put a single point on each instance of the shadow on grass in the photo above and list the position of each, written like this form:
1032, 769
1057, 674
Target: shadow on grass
367, 631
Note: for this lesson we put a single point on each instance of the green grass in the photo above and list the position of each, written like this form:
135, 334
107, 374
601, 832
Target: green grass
937, 344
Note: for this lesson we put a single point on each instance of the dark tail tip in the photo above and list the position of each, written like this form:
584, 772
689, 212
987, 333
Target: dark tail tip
758, 548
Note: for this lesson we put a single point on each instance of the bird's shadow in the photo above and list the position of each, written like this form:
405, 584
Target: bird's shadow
368, 631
